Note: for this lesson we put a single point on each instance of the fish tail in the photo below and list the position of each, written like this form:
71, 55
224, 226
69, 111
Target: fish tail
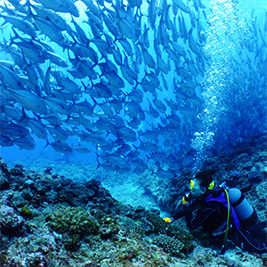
97, 159
16, 36
47, 143
28, 5
95, 103
24, 115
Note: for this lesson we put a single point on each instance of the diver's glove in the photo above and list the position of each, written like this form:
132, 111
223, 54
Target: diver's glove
168, 220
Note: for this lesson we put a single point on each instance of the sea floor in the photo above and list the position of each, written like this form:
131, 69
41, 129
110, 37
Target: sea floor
122, 187
130, 191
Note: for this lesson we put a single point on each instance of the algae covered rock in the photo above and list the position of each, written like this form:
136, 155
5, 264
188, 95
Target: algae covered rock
139, 230
4, 175
157, 223
4, 182
154, 224
169, 244
11, 224
71, 241
109, 227
184, 236
74, 223
73, 220
26, 212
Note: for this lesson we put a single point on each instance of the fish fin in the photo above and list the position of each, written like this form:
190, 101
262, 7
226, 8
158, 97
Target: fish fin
17, 36
47, 143
97, 159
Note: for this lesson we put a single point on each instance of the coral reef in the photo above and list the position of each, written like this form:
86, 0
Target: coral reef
26, 212
109, 227
74, 223
75, 220
48, 219
169, 244
11, 224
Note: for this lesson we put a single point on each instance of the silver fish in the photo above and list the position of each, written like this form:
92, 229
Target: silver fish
29, 100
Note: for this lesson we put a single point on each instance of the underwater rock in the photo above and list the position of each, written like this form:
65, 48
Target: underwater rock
36, 259
3, 167
159, 225
17, 170
99, 229
97, 213
234, 175
56, 185
242, 156
184, 236
73, 220
4, 182
28, 183
93, 184
4, 175
90, 264
26, 212
169, 244
109, 227
66, 182
67, 195
264, 172
71, 242
26, 194
255, 177
11, 224
233, 178
48, 170
139, 229
139, 209
247, 165
152, 223
51, 196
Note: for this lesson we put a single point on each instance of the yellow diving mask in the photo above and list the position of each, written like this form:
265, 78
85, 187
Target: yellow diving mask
210, 187
191, 184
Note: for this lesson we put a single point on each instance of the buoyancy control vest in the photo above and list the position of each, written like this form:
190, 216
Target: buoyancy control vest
222, 199
245, 212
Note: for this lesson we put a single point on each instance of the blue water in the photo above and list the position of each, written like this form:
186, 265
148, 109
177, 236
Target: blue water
234, 109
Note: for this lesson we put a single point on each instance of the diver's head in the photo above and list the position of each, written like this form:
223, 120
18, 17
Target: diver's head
196, 189
201, 183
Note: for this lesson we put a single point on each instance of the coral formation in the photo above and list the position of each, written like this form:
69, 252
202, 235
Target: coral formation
169, 244
49, 220
11, 224
26, 212
159, 225
109, 227
74, 223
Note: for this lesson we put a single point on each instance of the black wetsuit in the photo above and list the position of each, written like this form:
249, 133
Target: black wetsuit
212, 215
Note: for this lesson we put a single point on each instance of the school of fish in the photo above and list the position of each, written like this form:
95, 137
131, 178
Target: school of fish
129, 79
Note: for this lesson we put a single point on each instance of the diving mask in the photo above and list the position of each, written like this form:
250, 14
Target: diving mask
210, 187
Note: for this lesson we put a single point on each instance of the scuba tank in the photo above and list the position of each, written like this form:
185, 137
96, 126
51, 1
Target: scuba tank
245, 212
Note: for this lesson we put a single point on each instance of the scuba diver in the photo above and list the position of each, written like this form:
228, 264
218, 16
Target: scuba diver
221, 212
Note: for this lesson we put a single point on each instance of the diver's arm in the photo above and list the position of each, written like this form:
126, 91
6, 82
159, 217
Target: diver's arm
180, 210
178, 214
